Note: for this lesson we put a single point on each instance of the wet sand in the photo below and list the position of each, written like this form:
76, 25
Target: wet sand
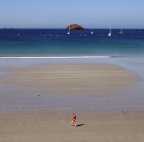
26, 114
72, 79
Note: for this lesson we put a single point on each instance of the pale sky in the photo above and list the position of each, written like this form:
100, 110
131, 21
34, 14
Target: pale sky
60, 13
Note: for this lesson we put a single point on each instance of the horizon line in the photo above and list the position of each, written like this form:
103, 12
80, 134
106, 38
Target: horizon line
66, 29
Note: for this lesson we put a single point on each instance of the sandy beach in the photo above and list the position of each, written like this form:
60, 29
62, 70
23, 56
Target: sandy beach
46, 126
37, 103
75, 79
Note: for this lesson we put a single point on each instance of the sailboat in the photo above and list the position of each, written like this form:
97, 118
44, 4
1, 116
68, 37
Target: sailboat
121, 32
92, 32
109, 34
68, 31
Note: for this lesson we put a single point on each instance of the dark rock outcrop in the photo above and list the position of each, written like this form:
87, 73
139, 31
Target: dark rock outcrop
141, 30
74, 27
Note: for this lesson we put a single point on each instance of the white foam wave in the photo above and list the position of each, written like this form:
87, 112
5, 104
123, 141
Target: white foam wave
69, 57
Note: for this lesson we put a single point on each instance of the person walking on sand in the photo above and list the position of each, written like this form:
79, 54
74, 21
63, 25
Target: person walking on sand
73, 119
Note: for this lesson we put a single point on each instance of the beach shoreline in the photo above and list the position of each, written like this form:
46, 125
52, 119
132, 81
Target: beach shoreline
66, 81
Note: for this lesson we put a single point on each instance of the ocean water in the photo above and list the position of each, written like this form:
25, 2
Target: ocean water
56, 43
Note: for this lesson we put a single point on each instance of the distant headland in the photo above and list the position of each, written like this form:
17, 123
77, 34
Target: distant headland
6, 29
140, 30
74, 27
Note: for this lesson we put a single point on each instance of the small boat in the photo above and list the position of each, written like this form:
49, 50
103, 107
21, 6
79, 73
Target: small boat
68, 31
109, 34
121, 32
92, 32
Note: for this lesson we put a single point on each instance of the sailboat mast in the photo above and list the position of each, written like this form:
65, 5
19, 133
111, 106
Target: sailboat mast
109, 27
68, 30
109, 30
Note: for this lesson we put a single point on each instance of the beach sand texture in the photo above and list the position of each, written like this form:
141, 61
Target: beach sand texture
43, 126
53, 124
70, 78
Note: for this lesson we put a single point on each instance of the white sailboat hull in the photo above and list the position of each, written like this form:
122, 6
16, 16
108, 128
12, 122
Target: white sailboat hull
110, 34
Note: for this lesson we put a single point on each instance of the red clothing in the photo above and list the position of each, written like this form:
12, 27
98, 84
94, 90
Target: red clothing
74, 117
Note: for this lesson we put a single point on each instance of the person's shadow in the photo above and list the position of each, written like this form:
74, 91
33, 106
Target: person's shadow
79, 125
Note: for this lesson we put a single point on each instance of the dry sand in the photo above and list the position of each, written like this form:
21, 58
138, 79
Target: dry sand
53, 125
45, 127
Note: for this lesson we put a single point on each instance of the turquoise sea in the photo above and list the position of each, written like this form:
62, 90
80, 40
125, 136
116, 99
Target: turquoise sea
56, 43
